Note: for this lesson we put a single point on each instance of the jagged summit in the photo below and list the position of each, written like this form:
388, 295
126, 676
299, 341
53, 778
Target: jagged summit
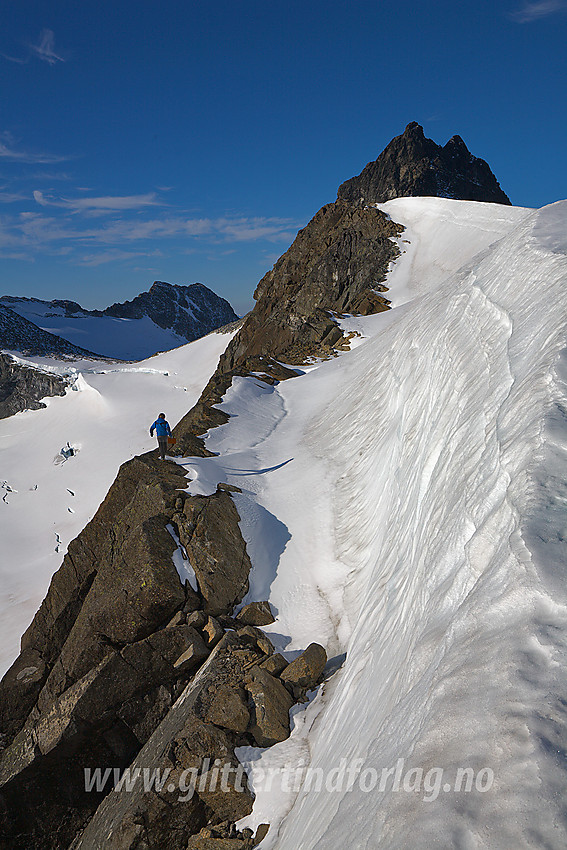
412, 165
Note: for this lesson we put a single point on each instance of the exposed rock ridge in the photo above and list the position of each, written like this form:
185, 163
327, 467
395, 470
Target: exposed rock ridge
22, 388
117, 640
337, 264
412, 165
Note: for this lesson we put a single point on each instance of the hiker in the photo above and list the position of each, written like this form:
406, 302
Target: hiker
163, 431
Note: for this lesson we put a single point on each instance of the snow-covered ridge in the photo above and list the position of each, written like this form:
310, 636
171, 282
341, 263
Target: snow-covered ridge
405, 504
458, 643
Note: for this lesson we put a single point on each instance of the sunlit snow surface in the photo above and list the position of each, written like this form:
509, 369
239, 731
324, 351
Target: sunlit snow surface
406, 504
106, 416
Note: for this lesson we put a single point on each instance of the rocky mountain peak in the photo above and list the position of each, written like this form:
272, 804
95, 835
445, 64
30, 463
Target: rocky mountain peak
190, 311
413, 165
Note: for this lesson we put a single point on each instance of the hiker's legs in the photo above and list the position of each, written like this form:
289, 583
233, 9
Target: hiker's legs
162, 444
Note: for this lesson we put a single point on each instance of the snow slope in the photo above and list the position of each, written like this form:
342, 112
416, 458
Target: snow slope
405, 505
106, 416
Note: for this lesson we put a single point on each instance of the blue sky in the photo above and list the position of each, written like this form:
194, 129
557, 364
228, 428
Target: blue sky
185, 141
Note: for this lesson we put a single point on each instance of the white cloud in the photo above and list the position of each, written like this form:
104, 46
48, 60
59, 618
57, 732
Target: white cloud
45, 49
11, 197
126, 235
9, 153
112, 256
104, 204
540, 9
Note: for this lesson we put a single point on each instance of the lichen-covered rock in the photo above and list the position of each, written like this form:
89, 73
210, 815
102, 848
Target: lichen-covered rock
274, 664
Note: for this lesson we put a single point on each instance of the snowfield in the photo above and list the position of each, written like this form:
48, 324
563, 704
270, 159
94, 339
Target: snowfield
405, 506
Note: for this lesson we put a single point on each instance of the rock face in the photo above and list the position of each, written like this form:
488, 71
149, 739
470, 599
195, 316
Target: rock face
208, 529
19, 334
336, 264
21, 388
412, 165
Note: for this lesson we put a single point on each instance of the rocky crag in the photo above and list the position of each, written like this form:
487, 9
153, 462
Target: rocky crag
123, 666
190, 311
412, 165
22, 388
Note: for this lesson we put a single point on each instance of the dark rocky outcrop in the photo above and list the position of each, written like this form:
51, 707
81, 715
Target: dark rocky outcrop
256, 614
336, 264
208, 529
412, 165
22, 388
123, 666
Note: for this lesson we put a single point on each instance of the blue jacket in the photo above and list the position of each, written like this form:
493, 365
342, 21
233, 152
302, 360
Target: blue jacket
161, 427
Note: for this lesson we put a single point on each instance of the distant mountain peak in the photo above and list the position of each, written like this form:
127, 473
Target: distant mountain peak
169, 315
413, 165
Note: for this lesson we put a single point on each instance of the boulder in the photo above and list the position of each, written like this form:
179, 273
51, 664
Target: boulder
197, 619
178, 619
212, 632
209, 531
271, 705
256, 614
229, 709
256, 637
306, 670
274, 664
